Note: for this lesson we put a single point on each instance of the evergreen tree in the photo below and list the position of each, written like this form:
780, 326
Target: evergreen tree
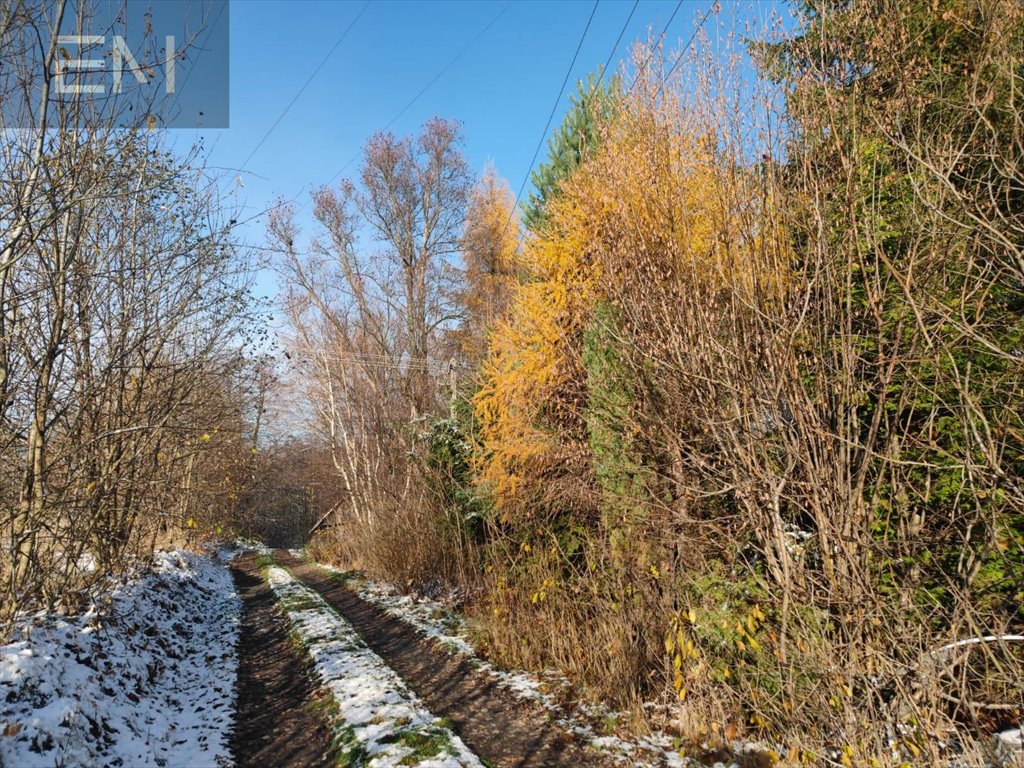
595, 102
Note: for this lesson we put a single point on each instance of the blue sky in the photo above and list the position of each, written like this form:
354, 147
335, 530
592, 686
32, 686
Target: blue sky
502, 89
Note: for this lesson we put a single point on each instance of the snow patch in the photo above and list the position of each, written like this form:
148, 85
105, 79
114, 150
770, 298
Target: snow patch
379, 716
432, 618
147, 680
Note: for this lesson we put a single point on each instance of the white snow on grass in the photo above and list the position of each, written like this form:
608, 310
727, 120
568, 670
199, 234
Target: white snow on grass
148, 680
381, 722
432, 618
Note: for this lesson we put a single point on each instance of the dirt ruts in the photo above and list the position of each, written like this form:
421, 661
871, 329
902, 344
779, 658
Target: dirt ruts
280, 711
500, 728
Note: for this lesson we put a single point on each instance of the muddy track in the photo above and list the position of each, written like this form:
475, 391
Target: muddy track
503, 730
279, 720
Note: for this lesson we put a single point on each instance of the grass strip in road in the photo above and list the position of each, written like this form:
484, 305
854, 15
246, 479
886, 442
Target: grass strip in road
379, 722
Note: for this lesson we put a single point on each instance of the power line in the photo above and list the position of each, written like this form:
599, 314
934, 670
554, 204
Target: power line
650, 53
615, 47
551, 116
402, 111
427, 87
473, 42
305, 85
686, 47
611, 54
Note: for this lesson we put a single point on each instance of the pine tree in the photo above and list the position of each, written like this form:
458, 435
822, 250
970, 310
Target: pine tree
594, 104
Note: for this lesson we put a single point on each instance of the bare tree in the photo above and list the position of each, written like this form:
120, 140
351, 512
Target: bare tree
371, 328
124, 307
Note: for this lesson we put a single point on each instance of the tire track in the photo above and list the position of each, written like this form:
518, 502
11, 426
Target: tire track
503, 730
279, 717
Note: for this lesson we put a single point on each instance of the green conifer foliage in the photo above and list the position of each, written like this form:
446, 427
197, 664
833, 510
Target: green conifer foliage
573, 142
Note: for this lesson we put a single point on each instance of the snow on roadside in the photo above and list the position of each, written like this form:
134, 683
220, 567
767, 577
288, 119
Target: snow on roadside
147, 681
432, 618
380, 718
438, 622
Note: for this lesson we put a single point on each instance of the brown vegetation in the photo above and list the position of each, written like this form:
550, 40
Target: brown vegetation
126, 397
746, 435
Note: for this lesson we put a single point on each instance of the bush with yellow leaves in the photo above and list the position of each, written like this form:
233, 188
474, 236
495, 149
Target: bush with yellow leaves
585, 555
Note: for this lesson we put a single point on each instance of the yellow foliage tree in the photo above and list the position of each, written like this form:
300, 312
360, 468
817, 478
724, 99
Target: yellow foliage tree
529, 351
653, 187
563, 444
489, 250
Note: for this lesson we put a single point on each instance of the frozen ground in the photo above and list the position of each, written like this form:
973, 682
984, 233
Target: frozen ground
147, 681
379, 718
